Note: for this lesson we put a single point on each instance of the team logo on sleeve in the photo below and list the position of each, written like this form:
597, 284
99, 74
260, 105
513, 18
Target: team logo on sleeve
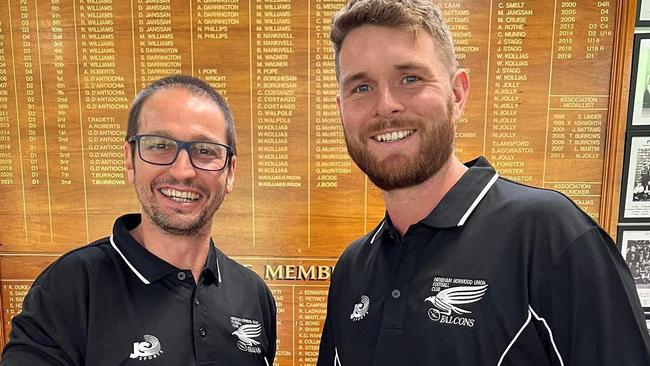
147, 350
361, 309
453, 299
247, 330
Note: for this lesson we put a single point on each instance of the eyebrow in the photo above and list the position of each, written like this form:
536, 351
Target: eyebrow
418, 66
163, 133
354, 77
413, 66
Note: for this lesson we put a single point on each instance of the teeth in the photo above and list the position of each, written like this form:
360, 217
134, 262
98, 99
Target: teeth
393, 136
179, 196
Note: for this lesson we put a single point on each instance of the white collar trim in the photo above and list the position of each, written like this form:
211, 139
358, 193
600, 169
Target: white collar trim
478, 199
377, 232
140, 276
218, 269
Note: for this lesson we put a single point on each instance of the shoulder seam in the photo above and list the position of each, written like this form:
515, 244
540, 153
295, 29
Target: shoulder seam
45, 274
555, 261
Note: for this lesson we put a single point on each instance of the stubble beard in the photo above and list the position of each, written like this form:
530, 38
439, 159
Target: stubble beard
166, 223
399, 171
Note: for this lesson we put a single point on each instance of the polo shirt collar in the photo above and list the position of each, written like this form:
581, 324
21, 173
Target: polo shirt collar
459, 203
212, 263
146, 266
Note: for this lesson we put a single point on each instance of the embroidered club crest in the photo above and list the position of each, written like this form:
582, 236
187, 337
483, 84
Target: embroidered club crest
449, 304
446, 300
246, 331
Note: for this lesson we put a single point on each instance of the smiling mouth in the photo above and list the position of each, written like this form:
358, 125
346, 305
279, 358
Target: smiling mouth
393, 136
178, 196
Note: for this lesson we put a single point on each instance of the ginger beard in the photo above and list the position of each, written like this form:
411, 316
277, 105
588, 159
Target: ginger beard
398, 170
174, 225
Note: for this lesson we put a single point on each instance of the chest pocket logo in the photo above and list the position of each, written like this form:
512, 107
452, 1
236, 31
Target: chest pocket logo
147, 350
448, 303
246, 331
361, 309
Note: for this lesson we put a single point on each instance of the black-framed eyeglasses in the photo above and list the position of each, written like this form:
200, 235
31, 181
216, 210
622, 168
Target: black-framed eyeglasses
161, 150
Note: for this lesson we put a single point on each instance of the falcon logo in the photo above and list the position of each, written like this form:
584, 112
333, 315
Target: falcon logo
147, 350
360, 309
447, 302
246, 330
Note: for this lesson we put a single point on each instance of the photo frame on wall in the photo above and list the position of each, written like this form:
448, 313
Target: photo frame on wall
639, 102
634, 242
643, 13
635, 188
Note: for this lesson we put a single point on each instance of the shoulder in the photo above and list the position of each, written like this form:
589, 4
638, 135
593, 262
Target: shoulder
77, 265
530, 197
67, 284
536, 209
542, 225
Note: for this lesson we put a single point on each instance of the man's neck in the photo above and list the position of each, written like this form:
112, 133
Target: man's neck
408, 206
181, 251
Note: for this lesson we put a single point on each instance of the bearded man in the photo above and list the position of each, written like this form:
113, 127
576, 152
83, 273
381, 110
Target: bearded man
466, 268
157, 291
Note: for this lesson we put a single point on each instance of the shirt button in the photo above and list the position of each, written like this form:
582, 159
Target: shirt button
203, 332
197, 302
181, 276
391, 235
396, 294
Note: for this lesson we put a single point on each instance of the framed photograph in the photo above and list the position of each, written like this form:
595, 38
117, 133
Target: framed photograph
639, 104
643, 13
634, 242
635, 205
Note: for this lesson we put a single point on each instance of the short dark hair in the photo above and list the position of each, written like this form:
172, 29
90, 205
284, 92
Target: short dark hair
193, 85
409, 15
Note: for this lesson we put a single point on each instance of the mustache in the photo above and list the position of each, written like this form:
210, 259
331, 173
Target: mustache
394, 123
174, 182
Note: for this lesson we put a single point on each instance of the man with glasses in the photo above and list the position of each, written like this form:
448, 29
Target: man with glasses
157, 291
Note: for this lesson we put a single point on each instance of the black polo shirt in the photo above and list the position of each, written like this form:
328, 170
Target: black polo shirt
114, 303
497, 274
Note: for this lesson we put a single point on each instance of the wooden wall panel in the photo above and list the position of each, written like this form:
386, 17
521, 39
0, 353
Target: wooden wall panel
547, 107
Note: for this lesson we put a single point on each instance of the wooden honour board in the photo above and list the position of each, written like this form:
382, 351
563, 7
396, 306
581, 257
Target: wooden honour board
538, 109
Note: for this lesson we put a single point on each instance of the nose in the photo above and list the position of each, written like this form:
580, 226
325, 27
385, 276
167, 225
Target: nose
182, 168
388, 103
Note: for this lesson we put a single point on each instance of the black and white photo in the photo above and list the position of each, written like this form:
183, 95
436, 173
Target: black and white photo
636, 205
639, 104
643, 13
635, 247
